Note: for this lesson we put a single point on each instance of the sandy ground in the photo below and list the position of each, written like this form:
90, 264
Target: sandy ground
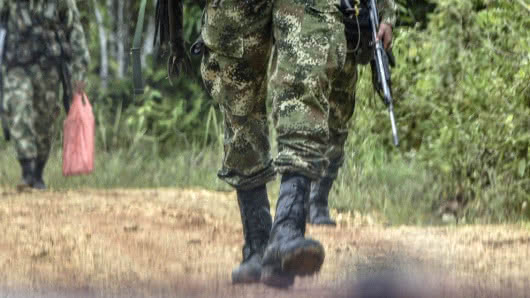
184, 243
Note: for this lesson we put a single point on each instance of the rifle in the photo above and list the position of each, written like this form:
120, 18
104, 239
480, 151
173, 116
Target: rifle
3, 35
383, 81
169, 24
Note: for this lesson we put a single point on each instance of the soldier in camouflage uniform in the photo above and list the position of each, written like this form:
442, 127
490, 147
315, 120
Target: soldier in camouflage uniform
42, 35
309, 53
342, 105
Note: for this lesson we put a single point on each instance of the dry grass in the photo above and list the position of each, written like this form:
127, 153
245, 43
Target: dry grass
185, 243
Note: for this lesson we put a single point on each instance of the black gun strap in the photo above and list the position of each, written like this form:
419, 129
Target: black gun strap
64, 73
391, 58
169, 29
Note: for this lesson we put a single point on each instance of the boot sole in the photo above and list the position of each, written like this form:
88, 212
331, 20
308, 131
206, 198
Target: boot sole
245, 280
276, 278
304, 260
24, 188
324, 223
39, 187
241, 278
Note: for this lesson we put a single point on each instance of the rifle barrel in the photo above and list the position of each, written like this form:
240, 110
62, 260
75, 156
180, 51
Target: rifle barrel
382, 71
394, 126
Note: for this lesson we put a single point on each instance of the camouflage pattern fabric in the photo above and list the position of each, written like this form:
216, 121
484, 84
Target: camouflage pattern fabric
38, 29
31, 107
311, 86
309, 50
238, 38
342, 106
342, 98
387, 10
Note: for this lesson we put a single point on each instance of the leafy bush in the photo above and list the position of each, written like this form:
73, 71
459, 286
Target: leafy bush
412, 12
464, 105
172, 114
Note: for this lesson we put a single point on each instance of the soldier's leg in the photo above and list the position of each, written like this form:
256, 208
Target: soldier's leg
20, 114
46, 83
342, 105
247, 162
309, 51
237, 36
247, 148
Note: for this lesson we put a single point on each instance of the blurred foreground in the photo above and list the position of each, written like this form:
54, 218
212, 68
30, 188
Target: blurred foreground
184, 243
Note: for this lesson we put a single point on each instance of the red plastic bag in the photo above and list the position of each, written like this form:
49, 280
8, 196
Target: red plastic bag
79, 135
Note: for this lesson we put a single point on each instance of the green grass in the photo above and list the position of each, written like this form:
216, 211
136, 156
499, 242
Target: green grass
462, 106
393, 190
397, 190
123, 168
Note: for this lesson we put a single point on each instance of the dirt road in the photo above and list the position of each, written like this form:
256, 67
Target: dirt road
184, 243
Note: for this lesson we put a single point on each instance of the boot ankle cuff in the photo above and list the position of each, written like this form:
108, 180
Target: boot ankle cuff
258, 193
30, 159
289, 176
258, 188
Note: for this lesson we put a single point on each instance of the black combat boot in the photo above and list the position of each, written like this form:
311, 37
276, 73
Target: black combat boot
318, 203
38, 181
289, 253
257, 221
28, 167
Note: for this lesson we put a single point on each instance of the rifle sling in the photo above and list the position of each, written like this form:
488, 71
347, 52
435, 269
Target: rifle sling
172, 23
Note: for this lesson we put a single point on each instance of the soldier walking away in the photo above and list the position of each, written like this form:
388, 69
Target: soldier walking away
309, 50
241, 69
45, 46
342, 98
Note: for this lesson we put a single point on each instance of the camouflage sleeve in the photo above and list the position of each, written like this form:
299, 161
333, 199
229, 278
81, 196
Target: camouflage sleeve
76, 38
387, 9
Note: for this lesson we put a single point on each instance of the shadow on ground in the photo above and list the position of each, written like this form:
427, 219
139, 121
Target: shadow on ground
392, 277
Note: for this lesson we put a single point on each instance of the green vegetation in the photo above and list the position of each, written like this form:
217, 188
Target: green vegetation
462, 86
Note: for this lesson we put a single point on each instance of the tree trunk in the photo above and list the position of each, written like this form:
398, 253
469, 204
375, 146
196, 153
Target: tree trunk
121, 34
103, 44
149, 37
111, 25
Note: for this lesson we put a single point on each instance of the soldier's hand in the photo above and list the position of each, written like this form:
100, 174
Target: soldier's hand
79, 86
385, 34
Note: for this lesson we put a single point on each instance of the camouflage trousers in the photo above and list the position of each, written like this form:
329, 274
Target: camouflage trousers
342, 106
31, 106
241, 69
